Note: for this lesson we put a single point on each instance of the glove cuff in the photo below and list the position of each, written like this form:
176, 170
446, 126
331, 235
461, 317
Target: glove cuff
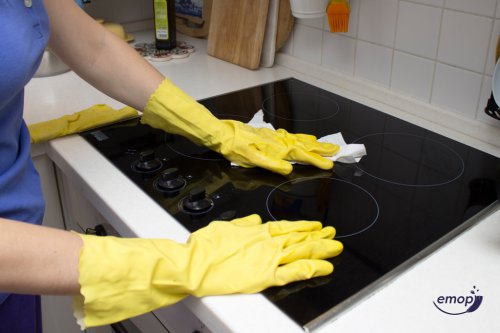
122, 278
172, 110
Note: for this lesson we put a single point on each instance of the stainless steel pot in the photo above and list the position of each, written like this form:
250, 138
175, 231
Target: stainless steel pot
51, 65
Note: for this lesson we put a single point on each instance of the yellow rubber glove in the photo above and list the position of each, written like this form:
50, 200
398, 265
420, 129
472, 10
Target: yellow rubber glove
172, 110
97, 115
122, 278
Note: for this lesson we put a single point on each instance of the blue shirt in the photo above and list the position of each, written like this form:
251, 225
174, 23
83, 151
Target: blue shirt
24, 32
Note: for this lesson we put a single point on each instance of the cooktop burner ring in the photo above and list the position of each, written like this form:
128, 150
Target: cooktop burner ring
359, 191
322, 103
457, 169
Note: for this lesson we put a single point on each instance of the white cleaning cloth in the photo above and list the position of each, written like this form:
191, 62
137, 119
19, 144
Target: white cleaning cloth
348, 153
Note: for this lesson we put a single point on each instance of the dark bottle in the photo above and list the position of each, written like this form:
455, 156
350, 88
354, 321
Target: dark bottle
164, 17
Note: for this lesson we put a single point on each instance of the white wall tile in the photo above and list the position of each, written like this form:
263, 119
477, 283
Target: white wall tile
354, 18
412, 75
456, 90
377, 21
431, 2
480, 7
373, 62
316, 22
338, 53
307, 43
464, 40
414, 37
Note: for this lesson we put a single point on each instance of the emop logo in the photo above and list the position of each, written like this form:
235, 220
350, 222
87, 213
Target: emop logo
457, 305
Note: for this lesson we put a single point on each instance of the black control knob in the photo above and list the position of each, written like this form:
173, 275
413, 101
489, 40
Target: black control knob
197, 202
148, 161
170, 180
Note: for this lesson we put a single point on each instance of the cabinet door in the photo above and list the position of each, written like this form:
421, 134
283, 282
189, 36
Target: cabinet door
53, 215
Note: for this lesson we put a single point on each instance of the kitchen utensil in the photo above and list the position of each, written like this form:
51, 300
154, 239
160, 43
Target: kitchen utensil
237, 31
338, 15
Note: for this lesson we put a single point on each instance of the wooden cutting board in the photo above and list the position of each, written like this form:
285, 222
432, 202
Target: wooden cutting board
237, 29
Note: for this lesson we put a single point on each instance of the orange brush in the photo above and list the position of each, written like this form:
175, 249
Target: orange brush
338, 15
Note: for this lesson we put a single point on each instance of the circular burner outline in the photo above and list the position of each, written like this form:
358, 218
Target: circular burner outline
301, 93
334, 179
462, 164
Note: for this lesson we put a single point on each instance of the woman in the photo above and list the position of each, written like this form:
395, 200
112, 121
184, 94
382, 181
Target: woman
38, 260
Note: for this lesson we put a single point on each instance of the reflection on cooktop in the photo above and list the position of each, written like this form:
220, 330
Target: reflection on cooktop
292, 104
332, 201
413, 188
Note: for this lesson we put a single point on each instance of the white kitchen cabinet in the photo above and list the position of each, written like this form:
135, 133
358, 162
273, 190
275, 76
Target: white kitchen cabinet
57, 312
53, 214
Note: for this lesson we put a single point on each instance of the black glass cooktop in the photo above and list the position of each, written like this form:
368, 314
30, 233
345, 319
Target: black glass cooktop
413, 188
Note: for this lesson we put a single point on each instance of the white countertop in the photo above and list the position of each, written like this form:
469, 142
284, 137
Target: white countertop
404, 303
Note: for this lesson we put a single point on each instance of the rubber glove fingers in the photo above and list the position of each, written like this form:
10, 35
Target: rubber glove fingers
299, 237
323, 148
309, 142
263, 159
314, 249
308, 157
302, 270
247, 221
301, 148
286, 227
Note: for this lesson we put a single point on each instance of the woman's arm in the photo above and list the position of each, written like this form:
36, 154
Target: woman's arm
100, 57
38, 260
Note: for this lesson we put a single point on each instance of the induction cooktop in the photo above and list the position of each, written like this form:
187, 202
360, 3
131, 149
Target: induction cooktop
411, 193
